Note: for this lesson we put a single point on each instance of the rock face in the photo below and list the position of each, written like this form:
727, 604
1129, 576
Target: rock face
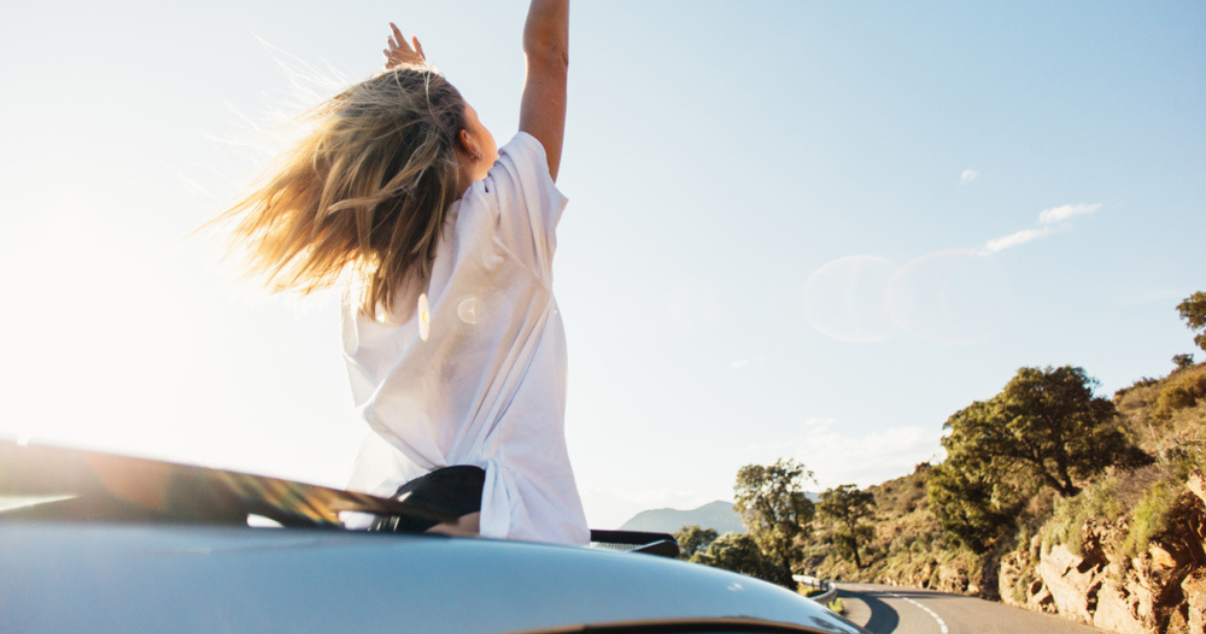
1195, 595
1160, 591
1073, 582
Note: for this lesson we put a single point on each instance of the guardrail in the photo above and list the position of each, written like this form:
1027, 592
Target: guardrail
829, 590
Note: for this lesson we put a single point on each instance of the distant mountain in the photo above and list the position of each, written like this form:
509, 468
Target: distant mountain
717, 515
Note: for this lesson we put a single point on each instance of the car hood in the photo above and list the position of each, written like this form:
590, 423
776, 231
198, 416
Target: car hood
120, 577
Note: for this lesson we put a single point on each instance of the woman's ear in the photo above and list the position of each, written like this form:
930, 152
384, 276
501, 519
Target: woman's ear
469, 144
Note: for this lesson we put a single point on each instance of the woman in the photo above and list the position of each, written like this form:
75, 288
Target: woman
453, 341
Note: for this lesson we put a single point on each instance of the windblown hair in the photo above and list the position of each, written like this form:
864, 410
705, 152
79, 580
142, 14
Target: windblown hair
364, 194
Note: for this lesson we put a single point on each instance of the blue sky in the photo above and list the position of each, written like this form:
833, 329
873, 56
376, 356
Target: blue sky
796, 229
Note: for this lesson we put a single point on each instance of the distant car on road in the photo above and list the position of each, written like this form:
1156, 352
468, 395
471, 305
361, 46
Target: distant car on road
91, 542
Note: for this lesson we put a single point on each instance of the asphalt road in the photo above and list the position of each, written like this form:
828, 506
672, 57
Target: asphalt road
892, 610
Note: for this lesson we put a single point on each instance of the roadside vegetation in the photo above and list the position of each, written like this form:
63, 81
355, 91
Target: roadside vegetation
1047, 463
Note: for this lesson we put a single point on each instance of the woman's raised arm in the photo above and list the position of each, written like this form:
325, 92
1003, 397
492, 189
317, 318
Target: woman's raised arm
546, 46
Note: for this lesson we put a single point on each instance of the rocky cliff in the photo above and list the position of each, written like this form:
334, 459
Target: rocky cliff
1106, 582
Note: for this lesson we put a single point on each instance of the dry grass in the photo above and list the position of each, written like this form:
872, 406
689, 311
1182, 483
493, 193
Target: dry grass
1181, 390
1166, 417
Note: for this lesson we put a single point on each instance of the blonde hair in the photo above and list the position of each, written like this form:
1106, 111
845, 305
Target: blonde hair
365, 193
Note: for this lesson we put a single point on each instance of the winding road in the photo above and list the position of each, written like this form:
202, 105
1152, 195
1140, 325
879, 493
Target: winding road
892, 610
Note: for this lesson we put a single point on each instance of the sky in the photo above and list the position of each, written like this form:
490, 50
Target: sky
796, 229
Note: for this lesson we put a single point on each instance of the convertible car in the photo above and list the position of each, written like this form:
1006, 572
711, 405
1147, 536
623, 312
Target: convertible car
91, 542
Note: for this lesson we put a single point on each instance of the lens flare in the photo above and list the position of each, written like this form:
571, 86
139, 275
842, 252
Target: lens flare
424, 318
469, 309
954, 297
846, 299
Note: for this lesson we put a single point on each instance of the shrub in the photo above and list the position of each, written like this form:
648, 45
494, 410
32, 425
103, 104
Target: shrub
1181, 390
1183, 361
1099, 502
739, 552
693, 539
1134, 387
1151, 516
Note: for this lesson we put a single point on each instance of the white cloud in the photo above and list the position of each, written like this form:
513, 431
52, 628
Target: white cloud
840, 458
1050, 221
1062, 213
968, 176
1014, 239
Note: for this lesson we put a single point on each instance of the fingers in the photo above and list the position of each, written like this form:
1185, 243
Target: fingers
398, 40
401, 51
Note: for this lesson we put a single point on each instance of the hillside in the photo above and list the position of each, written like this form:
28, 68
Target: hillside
1124, 554
717, 515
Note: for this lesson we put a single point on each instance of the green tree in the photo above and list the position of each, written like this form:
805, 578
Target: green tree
774, 509
1193, 311
693, 539
969, 505
1182, 361
739, 552
846, 507
1046, 422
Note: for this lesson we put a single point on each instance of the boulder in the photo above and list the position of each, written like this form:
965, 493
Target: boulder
1195, 596
1143, 582
1117, 610
1197, 485
1073, 587
1164, 558
1042, 601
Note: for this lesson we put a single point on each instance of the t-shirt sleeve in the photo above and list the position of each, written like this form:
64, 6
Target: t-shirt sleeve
529, 205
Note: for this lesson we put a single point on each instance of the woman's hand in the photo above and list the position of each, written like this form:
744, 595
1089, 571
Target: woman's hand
400, 52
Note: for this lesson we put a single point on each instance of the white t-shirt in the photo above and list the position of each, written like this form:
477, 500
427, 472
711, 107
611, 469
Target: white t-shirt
469, 369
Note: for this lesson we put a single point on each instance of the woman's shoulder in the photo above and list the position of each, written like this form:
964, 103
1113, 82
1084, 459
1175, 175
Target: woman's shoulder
522, 158
519, 177
517, 204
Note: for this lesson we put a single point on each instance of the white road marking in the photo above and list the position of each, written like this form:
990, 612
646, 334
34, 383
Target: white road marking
941, 623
